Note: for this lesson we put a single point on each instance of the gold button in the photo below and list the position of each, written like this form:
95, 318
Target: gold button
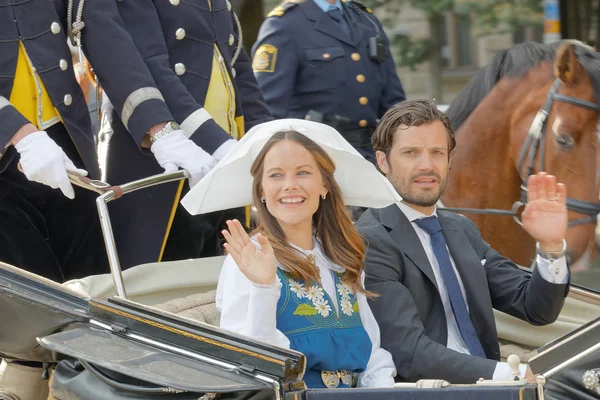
326, 55
231, 39
174, 2
362, 123
63, 64
363, 100
360, 78
68, 99
355, 56
180, 34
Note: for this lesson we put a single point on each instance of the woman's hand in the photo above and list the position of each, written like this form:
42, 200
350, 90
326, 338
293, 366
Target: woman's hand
260, 266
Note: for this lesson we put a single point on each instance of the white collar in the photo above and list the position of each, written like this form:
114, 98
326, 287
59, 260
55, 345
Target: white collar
413, 214
320, 258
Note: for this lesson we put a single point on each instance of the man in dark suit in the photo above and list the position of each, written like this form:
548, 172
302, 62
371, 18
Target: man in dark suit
438, 280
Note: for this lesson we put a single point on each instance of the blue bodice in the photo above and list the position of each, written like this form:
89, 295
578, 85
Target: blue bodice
330, 340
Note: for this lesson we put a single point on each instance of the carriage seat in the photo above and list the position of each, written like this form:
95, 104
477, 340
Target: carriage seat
186, 287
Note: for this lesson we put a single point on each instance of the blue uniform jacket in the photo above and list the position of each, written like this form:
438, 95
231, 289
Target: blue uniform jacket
41, 25
304, 61
176, 39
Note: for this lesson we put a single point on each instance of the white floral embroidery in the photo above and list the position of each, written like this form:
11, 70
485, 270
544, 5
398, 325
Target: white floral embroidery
314, 293
343, 290
297, 288
347, 307
322, 306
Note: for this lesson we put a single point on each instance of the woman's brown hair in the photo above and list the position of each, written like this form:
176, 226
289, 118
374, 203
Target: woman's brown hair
332, 224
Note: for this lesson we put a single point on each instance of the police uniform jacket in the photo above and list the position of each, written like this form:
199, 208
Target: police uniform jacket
304, 61
179, 41
41, 26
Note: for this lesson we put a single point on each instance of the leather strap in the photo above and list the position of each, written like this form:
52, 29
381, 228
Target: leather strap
118, 191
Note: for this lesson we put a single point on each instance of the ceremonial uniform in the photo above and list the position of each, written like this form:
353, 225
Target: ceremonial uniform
331, 67
41, 230
194, 52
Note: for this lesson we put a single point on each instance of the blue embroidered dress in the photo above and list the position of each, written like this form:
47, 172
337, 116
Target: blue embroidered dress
331, 340
328, 323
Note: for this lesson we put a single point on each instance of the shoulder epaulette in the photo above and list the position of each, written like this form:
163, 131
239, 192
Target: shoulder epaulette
281, 9
353, 3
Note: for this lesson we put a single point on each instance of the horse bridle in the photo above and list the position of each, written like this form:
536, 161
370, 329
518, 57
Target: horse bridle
536, 140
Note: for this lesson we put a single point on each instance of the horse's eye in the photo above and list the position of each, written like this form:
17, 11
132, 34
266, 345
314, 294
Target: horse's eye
565, 141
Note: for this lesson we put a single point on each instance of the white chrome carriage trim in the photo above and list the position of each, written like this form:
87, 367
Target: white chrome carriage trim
571, 360
195, 356
172, 349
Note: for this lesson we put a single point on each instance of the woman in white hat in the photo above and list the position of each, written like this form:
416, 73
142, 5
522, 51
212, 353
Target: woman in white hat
297, 280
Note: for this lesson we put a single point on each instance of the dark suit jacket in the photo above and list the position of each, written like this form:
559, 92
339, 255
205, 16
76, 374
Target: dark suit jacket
409, 309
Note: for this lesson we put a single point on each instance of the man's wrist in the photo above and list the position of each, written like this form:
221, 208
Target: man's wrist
156, 128
167, 128
23, 131
552, 250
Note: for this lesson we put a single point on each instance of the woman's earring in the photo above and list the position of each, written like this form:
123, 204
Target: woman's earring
263, 200
324, 195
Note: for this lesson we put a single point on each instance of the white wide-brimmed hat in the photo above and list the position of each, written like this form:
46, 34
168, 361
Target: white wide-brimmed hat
229, 183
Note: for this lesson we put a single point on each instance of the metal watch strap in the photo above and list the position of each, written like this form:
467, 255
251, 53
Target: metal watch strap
168, 128
552, 255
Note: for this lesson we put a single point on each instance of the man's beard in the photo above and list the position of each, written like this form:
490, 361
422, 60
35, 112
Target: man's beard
423, 198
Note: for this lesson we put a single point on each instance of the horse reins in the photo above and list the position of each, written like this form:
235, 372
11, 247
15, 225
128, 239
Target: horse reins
536, 139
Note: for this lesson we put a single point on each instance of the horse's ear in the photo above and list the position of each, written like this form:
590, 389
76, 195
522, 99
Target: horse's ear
566, 66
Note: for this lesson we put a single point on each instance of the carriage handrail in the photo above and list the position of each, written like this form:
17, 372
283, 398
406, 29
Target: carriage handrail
111, 193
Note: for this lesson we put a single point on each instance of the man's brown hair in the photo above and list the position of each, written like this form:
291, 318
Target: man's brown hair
409, 113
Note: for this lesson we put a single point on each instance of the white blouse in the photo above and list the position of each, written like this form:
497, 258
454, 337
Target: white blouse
251, 310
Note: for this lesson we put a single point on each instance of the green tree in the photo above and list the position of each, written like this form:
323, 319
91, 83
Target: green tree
488, 16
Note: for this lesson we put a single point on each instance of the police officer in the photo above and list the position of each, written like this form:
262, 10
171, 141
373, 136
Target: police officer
328, 61
45, 127
194, 51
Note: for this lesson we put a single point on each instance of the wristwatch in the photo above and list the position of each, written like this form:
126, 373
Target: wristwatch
171, 126
552, 255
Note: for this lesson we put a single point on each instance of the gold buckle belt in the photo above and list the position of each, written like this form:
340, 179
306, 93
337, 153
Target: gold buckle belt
332, 379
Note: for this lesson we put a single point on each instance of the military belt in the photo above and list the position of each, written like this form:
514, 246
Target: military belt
356, 136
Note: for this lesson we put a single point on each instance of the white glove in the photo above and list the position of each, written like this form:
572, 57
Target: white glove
176, 150
43, 161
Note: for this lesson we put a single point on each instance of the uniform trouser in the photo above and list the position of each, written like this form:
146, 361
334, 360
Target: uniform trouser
44, 232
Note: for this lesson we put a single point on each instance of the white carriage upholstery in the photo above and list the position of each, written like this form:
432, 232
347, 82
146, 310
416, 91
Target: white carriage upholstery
187, 288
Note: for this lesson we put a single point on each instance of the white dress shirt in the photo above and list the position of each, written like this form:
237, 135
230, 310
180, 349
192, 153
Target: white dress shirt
251, 310
455, 340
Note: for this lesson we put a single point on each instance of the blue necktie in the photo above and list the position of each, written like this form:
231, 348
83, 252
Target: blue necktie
337, 15
432, 226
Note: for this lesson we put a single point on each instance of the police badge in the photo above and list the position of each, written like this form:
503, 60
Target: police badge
265, 58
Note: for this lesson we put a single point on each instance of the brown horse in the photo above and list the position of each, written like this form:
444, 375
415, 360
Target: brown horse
534, 107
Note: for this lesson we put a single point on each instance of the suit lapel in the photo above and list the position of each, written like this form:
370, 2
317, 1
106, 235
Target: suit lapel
323, 23
407, 240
